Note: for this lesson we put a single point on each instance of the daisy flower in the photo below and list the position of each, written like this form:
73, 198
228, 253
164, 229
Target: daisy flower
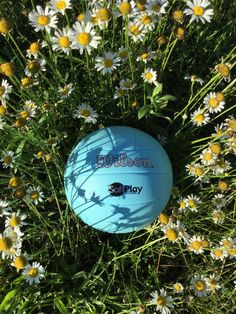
215, 148
156, 7
5, 27
194, 78
20, 261
4, 208
108, 63
87, 113
127, 84
8, 159
182, 231
35, 48
102, 15
27, 82
219, 201
162, 301
15, 220
231, 144
65, 91
213, 104
145, 20
207, 157
178, 16
150, 76
42, 19
60, 5
123, 53
124, 8
199, 118
195, 245
35, 195
119, 92
33, 273
192, 202
61, 41
135, 32
220, 130
5, 90
9, 243
232, 251
183, 203
212, 283
218, 253
224, 70
179, 33
197, 10
221, 166
218, 216
34, 67
164, 219
146, 56
199, 284
178, 288
171, 231
230, 124
84, 37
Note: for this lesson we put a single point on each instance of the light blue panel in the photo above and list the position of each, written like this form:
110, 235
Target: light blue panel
118, 179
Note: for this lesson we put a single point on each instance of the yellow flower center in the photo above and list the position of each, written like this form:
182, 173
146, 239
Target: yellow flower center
34, 66
25, 114
172, 234
148, 76
218, 216
218, 252
198, 10
213, 284
146, 19
197, 245
223, 186
213, 102
128, 84
121, 92
64, 91
35, 47
7, 160
15, 182
134, 30
14, 222
192, 203
85, 113
215, 148
144, 55
207, 156
156, 7
84, 39
125, 8
5, 243
179, 32
2, 90
61, 5
232, 124
20, 122
20, 262
134, 104
178, 15
26, 81
3, 110
33, 272
226, 243
40, 154
5, 27
107, 63
232, 251
224, 69
220, 96
20, 193
199, 171
7, 69
182, 204
161, 300
141, 4
162, 40
200, 117
200, 285
164, 218
43, 20
64, 42
104, 14
205, 243
34, 195
81, 17
123, 54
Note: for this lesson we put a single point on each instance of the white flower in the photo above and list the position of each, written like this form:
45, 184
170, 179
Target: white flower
192, 202
87, 113
15, 220
150, 76
5, 90
33, 273
212, 283
35, 195
156, 7
4, 208
10, 243
197, 10
2, 123
178, 287
145, 20
127, 84
199, 285
119, 92
61, 41
199, 118
125, 8
146, 56
194, 78
218, 216
136, 32
66, 90
8, 159
34, 67
221, 166
60, 5
162, 301
213, 104
42, 19
195, 244
99, 15
207, 157
108, 63
218, 253
84, 37
123, 53
219, 201
35, 48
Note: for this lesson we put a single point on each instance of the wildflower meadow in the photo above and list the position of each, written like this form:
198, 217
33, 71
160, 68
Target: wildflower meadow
70, 67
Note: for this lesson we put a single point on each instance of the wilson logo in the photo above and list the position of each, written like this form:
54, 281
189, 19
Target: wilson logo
118, 189
122, 160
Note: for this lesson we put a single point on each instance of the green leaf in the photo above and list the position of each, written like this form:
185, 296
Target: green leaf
157, 90
61, 306
7, 300
143, 111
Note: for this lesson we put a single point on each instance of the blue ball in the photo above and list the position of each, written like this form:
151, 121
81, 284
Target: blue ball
118, 179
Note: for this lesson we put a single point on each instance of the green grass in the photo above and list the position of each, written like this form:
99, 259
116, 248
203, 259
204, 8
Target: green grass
88, 271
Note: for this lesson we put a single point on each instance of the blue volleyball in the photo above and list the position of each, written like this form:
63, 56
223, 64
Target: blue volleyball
118, 179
